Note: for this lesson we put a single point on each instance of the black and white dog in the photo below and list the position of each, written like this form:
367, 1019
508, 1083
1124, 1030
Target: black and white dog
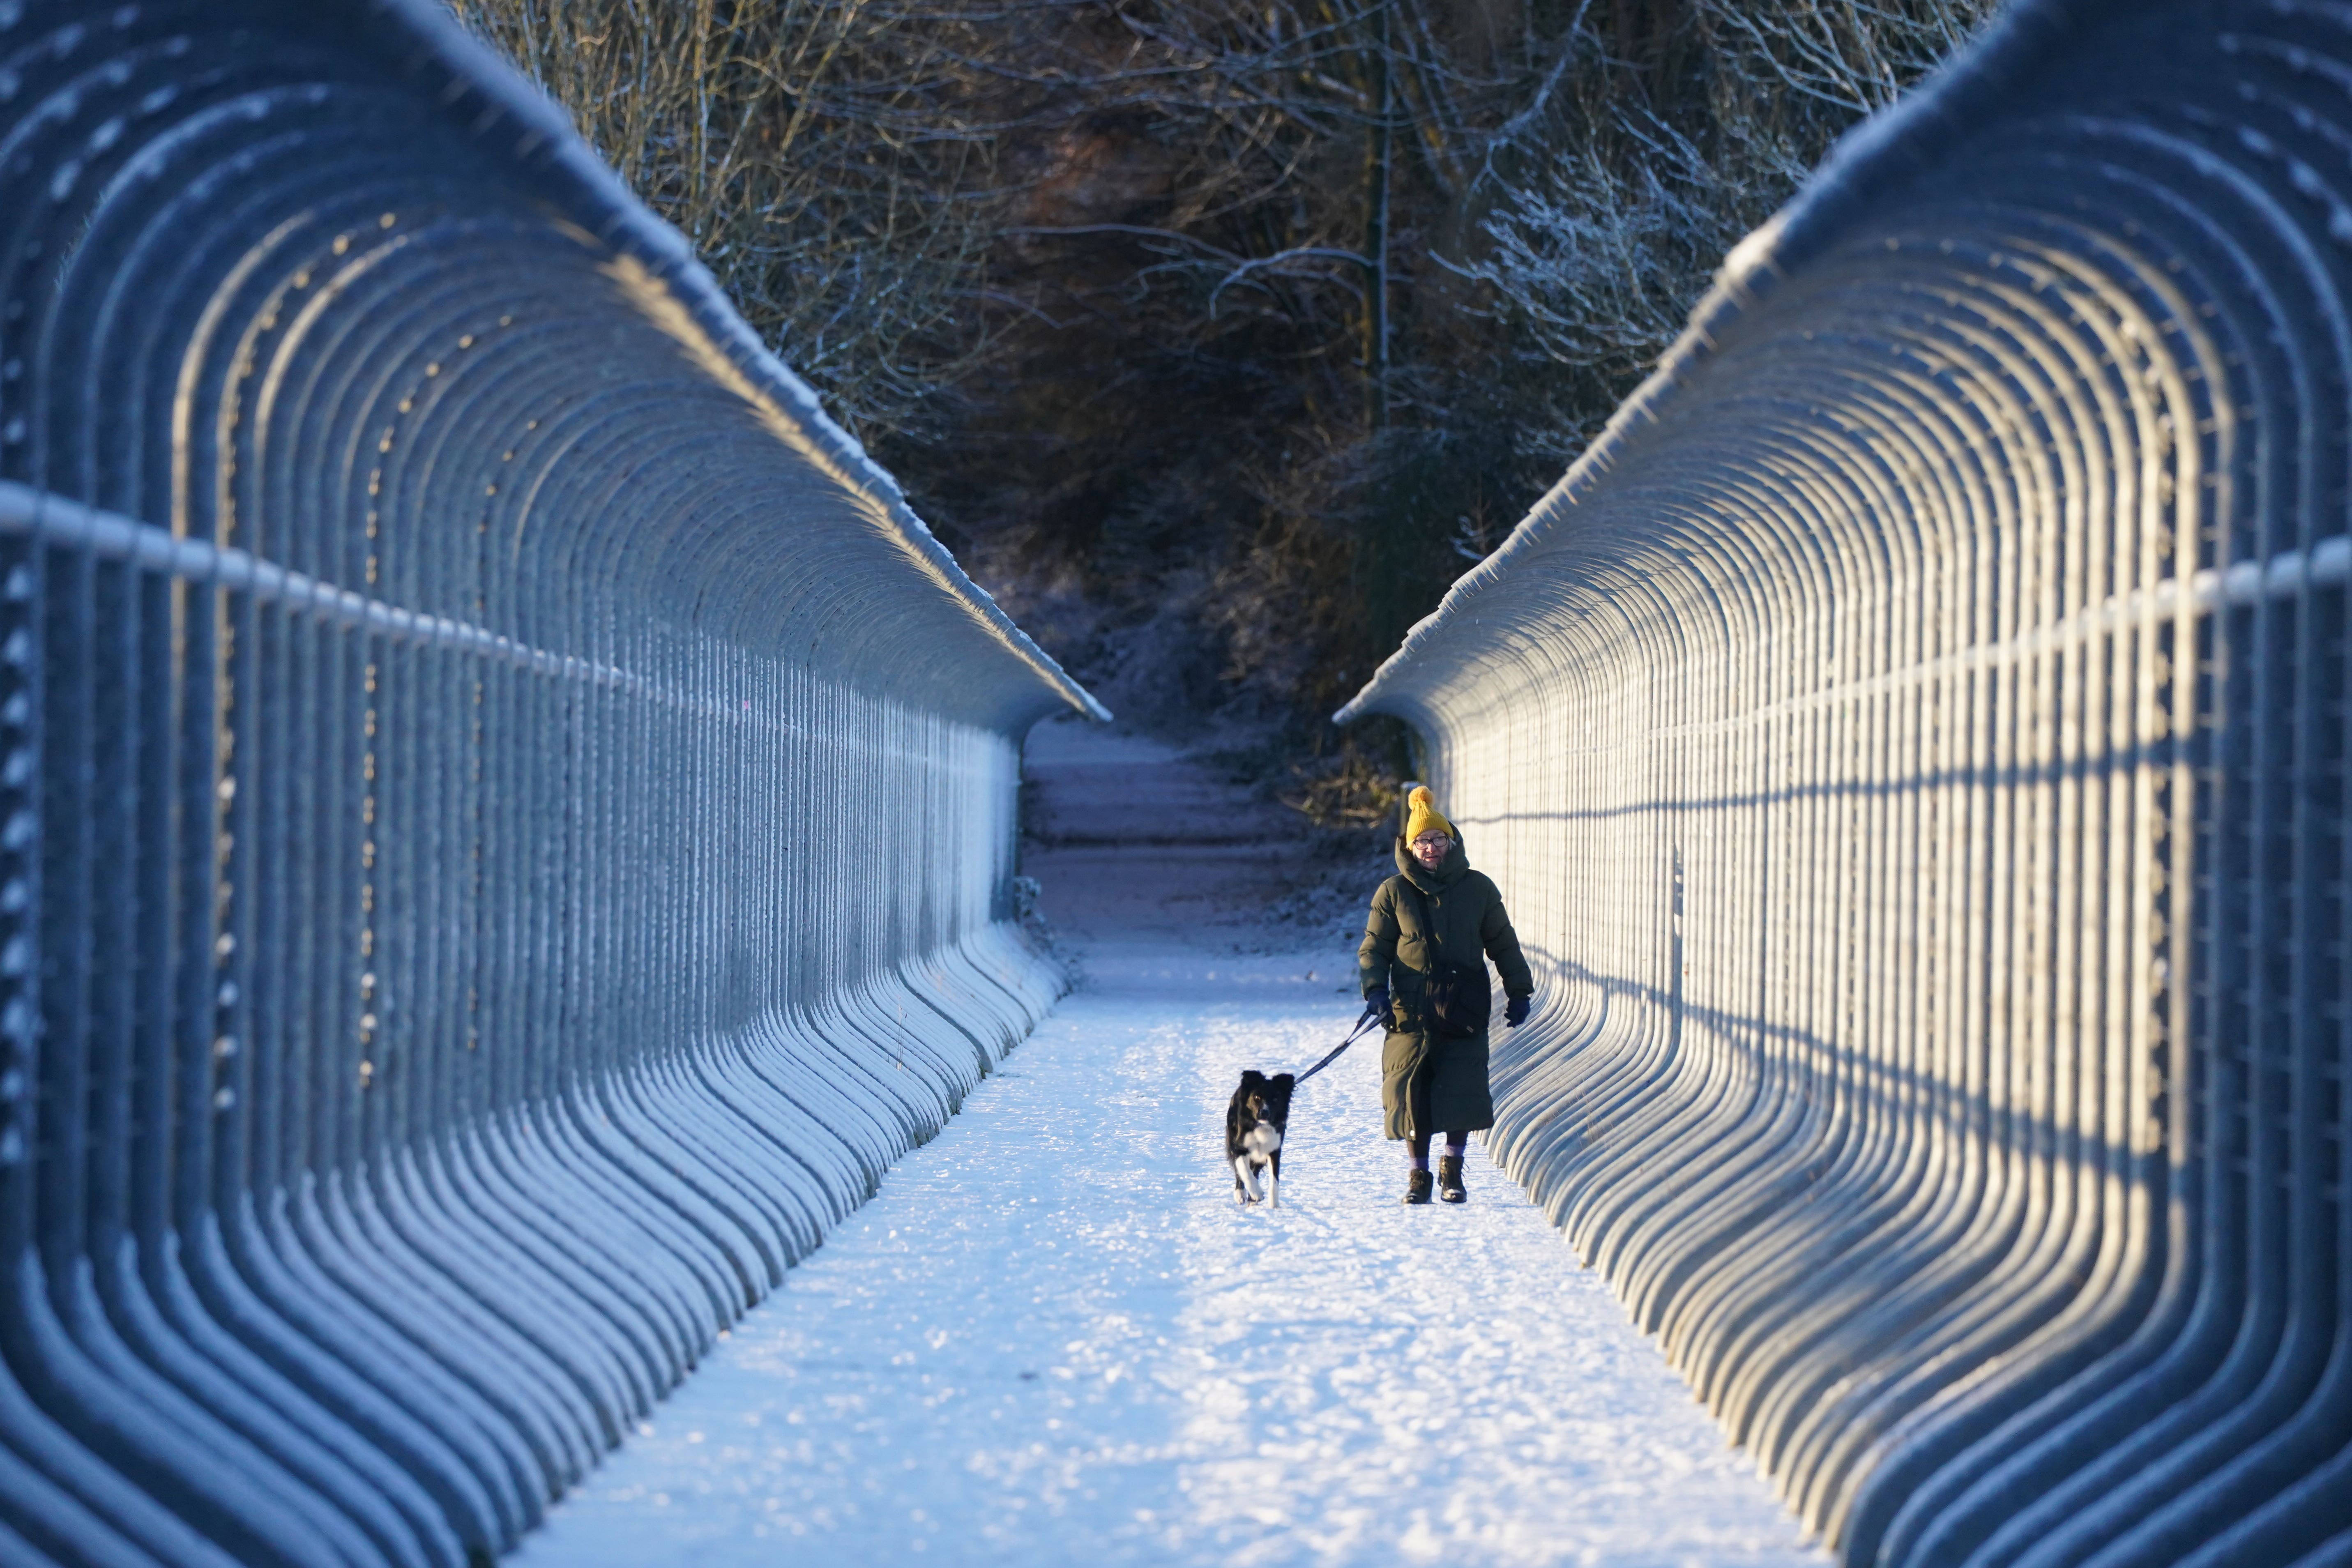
1254, 1123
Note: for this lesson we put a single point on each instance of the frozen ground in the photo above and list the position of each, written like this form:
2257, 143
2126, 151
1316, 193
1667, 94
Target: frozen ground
1053, 1339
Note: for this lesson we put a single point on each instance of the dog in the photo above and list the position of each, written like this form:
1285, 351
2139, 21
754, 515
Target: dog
1254, 1123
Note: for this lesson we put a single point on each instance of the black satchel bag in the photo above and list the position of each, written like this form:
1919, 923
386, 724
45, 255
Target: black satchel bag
1456, 999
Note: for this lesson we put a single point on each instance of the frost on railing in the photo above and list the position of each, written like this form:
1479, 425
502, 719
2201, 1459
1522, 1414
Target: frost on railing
505, 817
1912, 742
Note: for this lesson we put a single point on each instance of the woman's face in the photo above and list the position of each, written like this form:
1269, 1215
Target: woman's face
1430, 849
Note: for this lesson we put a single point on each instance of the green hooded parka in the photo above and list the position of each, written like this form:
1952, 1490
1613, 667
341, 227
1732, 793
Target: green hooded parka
1417, 916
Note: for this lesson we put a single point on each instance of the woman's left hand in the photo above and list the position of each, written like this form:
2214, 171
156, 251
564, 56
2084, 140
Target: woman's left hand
1515, 1010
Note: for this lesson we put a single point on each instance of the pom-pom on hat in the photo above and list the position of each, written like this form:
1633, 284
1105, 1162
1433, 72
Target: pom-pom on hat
1424, 816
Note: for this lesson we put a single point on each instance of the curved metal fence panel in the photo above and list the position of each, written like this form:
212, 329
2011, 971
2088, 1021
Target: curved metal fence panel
506, 818
1912, 742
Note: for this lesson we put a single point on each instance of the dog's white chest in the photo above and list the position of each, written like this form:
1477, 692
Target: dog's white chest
1254, 1157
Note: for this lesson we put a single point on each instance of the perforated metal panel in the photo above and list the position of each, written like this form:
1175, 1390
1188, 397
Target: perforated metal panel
1913, 740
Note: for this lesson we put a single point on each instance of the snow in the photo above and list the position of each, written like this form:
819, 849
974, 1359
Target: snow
1054, 1337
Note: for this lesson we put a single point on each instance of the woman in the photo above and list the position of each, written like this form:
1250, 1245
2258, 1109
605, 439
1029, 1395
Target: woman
1435, 908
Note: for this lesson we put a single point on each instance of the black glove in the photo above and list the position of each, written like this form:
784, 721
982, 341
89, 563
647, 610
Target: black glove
1515, 1011
1376, 1001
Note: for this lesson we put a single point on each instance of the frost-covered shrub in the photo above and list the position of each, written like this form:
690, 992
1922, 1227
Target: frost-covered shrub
1613, 196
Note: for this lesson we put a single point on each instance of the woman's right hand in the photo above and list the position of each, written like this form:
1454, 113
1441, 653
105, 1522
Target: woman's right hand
1376, 1000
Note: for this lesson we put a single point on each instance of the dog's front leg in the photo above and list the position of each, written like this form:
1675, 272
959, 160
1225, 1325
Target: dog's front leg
1245, 1179
1274, 1180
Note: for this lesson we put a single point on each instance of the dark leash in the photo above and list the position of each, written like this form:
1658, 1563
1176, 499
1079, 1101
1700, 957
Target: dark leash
1363, 1026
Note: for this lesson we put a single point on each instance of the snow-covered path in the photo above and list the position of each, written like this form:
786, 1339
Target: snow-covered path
1053, 1339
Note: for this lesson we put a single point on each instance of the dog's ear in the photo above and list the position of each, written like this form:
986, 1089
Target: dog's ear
1250, 1076
1282, 1080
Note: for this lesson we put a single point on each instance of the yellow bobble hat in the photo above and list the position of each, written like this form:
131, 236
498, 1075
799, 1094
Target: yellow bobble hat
1424, 816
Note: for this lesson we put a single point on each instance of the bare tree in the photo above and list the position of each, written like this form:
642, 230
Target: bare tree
1220, 334
822, 154
1618, 207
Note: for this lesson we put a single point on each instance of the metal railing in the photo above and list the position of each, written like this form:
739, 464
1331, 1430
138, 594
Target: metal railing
1912, 743
505, 819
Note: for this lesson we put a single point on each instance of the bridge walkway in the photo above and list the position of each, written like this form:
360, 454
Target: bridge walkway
1053, 1339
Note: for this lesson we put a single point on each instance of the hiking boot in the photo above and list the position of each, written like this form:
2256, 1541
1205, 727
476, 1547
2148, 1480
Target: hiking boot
1416, 1189
1449, 1178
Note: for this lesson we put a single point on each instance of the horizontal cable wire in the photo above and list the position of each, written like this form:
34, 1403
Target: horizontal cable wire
55, 520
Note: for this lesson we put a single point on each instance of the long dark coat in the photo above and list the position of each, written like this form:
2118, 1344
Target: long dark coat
1417, 916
